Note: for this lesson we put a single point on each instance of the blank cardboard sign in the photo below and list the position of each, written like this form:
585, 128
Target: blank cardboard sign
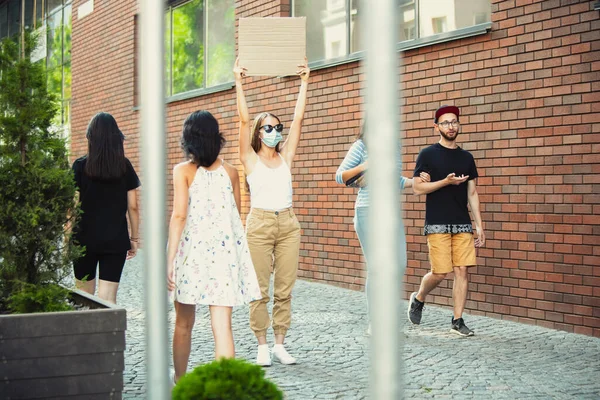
272, 46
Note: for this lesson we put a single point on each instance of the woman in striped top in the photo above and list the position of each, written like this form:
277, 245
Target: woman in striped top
355, 162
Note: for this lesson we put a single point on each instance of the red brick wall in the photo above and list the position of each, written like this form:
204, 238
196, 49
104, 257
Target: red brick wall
102, 71
528, 92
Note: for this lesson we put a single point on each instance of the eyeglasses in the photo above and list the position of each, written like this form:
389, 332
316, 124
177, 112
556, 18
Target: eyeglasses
447, 124
269, 128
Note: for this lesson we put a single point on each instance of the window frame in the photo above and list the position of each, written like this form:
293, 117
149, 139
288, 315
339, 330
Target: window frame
188, 94
65, 103
473, 30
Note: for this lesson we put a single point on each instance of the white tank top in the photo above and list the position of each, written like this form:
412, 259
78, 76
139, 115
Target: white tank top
270, 188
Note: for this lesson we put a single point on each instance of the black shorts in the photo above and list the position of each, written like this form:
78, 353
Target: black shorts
111, 266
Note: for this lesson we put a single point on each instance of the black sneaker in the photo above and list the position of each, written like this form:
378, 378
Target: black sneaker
459, 327
415, 309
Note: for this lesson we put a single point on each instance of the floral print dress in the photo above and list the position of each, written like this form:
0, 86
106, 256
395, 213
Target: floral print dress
213, 264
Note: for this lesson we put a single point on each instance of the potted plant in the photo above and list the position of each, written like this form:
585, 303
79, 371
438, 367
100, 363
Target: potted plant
226, 379
54, 342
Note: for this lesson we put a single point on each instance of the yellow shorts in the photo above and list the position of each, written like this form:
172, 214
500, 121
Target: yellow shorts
447, 251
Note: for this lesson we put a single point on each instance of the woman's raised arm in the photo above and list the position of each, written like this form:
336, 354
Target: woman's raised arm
247, 154
288, 151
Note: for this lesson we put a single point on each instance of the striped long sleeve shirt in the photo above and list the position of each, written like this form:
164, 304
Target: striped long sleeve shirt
356, 156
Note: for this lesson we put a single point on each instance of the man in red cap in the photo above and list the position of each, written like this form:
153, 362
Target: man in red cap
447, 222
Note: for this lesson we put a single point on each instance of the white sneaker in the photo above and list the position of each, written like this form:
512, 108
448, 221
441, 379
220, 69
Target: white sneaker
280, 354
263, 357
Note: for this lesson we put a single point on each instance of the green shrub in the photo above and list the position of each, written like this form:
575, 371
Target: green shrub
36, 298
36, 183
226, 379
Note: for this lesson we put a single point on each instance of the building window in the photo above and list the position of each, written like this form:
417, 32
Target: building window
55, 16
407, 21
327, 27
437, 16
199, 44
480, 18
12, 19
58, 21
333, 26
439, 25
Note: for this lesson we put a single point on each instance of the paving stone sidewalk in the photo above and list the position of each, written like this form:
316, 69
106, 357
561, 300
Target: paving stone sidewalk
505, 360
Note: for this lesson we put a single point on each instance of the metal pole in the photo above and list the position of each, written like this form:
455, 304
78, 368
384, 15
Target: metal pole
152, 106
387, 253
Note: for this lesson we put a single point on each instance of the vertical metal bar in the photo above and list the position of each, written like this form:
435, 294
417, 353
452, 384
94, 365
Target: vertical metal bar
152, 102
62, 68
168, 26
206, 49
386, 252
348, 27
171, 44
417, 19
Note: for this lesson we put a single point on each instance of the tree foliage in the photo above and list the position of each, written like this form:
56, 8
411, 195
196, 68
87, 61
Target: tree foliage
187, 59
36, 183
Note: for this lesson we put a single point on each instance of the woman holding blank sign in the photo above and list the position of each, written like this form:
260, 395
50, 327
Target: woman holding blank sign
272, 229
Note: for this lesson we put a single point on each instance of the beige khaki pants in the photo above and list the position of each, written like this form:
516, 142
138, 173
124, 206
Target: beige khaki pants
274, 242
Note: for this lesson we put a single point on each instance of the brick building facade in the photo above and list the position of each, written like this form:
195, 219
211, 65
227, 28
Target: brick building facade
529, 92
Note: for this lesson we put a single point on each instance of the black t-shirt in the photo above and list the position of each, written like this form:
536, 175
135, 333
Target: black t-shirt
103, 224
446, 209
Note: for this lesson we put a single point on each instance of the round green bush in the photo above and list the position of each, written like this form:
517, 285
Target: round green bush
226, 379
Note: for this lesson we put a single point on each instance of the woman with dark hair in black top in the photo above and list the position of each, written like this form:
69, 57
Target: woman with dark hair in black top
106, 183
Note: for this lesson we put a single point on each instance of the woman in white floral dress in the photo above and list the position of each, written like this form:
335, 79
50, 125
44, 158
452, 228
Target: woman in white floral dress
208, 258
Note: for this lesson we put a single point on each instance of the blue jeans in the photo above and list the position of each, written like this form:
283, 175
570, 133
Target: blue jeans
361, 228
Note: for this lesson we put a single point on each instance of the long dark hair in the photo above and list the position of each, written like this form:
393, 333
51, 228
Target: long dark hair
256, 143
201, 140
106, 156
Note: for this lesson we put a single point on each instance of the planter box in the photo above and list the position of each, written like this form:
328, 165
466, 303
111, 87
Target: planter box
64, 355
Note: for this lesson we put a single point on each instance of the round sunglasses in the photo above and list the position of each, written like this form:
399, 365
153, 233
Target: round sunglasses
269, 128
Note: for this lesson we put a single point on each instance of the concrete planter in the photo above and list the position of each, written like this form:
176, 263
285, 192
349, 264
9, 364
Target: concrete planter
64, 355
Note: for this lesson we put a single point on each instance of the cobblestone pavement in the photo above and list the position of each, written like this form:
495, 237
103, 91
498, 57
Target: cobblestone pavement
505, 360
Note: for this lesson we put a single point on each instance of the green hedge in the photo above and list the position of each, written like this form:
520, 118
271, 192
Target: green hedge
226, 379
